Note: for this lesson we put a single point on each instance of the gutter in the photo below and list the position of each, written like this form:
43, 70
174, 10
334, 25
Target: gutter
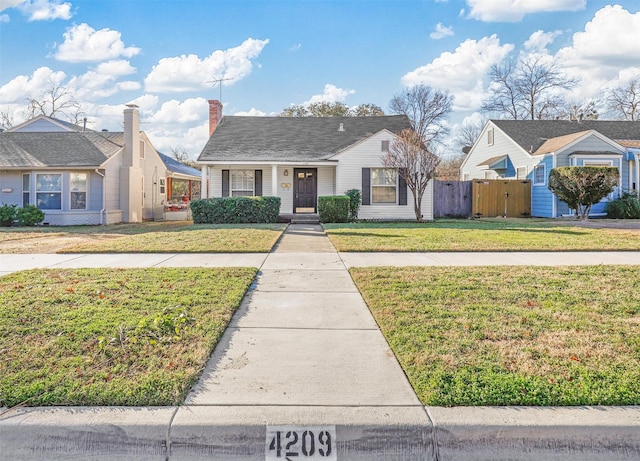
104, 194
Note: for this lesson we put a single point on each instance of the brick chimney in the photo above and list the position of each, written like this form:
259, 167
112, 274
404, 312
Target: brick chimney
215, 114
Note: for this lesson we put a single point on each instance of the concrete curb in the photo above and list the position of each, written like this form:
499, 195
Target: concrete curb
229, 433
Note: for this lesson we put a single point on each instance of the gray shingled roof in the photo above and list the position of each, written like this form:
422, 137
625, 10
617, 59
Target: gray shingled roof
55, 149
531, 134
294, 139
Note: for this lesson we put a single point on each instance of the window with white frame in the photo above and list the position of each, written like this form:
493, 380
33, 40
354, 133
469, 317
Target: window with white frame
384, 146
539, 175
465, 177
242, 183
141, 149
490, 137
384, 185
488, 175
78, 191
26, 189
521, 172
49, 191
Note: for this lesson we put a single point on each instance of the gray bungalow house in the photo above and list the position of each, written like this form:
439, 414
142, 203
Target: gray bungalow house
78, 176
302, 158
529, 149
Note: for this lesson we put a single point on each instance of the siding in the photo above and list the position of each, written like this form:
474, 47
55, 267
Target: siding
368, 154
502, 145
11, 180
541, 197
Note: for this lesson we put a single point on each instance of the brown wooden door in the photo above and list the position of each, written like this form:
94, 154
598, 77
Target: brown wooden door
305, 190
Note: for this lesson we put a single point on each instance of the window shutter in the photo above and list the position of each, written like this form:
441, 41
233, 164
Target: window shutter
225, 183
258, 182
366, 186
402, 188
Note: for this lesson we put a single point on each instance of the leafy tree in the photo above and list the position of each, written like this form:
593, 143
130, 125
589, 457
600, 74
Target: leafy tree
331, 109
427, 109
624, 101
582, 186
527, 89
414, 163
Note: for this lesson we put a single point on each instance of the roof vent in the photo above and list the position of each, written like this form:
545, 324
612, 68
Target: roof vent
341, 127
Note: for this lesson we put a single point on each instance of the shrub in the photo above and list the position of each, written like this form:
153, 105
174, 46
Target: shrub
7, 215
582, 186
625, 207
30, 215
355, 199
333, 208
235, 210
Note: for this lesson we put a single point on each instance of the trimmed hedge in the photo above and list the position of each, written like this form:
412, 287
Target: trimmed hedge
236, 210
625, 207
334, 208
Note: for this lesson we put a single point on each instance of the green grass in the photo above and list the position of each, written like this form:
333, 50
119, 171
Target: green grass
480, 235
159, 238
111, 337
512, 335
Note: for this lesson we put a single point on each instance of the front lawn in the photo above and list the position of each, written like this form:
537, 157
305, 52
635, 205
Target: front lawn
480, 235
109, 336
512, 335
168, 237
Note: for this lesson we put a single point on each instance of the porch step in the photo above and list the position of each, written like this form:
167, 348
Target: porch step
306, 218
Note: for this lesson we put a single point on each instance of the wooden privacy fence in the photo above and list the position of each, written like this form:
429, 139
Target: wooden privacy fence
452, 199
501, 197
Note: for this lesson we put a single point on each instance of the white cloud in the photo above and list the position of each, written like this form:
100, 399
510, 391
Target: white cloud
515, 10
463, 71
101, 82
331, 94
174, 112
539, 40
6, 4
441, 32
24, 87
606, 51
46, 10
296, 47
190, 73
253, 112
82, 43
4, 18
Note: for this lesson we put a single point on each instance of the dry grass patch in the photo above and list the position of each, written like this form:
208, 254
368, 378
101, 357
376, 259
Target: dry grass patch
512, 335
111, 337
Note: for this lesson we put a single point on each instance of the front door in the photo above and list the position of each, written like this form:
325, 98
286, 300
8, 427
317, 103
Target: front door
305, 190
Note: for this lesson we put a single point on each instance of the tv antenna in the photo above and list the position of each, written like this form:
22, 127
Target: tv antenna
218, 81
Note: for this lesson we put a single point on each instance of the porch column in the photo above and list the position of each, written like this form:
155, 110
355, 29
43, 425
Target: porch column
204, 190
274, 180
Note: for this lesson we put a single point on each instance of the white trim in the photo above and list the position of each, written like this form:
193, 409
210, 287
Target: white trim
526, 171
544, 182
265, 163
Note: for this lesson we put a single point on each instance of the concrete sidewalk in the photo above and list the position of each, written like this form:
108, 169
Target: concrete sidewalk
303, 372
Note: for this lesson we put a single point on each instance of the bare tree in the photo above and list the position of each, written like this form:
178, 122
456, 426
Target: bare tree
468, 132
182, 156
427, 109
624, 100
6, 121
527, 89
55, 101
449, 167
414, 163
588, 110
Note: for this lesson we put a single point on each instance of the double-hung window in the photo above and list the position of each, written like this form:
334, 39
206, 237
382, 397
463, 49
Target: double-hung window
242, 183
49, 191
384, 185
78, 192
26, 188
539, 175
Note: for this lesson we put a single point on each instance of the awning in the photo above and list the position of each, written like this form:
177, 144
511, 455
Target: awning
494, 163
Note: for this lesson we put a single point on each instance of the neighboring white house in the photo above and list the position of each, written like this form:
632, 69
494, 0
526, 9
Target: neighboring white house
302, 158
78, 176
530, 149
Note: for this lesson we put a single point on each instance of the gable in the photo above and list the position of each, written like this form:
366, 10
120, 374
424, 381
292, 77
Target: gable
42, 123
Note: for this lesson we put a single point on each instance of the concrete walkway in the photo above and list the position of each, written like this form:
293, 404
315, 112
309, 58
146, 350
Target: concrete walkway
303, 372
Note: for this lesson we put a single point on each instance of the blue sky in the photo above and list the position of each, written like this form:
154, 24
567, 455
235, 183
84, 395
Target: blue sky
163, 55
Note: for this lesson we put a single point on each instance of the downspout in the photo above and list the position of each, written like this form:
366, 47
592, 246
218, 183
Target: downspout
104, 194
637, 157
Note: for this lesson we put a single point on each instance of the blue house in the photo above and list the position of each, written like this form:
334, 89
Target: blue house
530, 149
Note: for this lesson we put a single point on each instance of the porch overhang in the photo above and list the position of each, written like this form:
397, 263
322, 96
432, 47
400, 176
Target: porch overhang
494, 163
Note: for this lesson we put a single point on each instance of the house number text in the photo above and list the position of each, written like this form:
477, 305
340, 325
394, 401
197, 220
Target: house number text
300, 443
